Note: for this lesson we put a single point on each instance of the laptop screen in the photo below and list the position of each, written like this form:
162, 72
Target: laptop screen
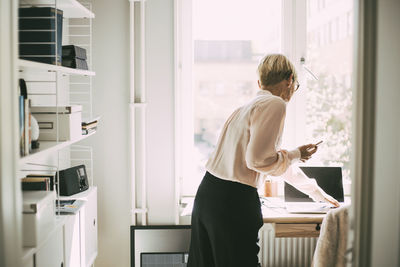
328, 178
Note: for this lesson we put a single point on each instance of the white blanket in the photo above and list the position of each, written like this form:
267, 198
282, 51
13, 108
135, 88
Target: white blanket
332, 242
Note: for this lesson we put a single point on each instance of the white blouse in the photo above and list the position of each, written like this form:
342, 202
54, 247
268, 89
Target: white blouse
248, 147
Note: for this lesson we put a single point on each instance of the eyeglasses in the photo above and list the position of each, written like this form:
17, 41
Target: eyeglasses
297, 86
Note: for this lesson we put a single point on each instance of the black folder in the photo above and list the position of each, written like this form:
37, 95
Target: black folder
37, 34
73, 51
75, 63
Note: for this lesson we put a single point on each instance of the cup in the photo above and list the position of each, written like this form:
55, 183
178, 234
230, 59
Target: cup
270, 188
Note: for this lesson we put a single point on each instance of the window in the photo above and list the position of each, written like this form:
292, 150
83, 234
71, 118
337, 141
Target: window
229, 37
329, 100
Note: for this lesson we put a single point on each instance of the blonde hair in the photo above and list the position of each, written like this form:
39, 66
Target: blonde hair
275, 68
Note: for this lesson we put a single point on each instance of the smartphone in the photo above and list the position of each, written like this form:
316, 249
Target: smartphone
319, 143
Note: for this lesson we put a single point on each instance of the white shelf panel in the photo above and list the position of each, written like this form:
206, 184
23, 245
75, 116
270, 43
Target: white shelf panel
27, 65
70, 8
48, 147
81, 196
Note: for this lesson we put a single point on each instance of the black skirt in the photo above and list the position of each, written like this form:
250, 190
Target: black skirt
226, 219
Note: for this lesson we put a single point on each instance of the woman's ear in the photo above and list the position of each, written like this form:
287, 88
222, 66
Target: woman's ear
259, 84
290, 80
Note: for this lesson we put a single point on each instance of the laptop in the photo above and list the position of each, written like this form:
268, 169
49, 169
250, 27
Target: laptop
328, 178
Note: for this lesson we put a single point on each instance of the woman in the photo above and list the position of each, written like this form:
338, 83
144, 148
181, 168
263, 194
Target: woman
227, 215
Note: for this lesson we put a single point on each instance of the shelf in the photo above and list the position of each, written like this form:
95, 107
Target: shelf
47, 147
70, 8
25, 65
81, 196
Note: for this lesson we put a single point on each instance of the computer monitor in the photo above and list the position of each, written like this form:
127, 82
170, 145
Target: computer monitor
166, 245
328, 178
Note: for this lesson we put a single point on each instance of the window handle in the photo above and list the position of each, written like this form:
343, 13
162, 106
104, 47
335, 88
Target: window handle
303, 63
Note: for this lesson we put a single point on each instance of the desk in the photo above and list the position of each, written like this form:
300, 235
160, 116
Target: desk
284, 224
290, 225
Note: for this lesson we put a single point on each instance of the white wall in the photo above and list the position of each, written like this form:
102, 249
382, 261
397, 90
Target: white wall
110, 143
160, 110
386, 197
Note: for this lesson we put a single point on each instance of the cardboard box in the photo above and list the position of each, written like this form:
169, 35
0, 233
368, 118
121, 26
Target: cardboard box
38, 217
69, 122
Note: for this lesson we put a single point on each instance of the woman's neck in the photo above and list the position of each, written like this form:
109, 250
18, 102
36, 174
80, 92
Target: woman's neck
275, 89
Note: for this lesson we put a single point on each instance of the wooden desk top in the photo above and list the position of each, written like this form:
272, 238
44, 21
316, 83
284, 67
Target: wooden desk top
274, 212
273, 216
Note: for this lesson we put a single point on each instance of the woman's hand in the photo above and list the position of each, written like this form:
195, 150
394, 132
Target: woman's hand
331, 200
320, 195
306, 151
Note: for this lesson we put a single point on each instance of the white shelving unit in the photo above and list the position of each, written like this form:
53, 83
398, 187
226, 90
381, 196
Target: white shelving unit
26, 65
66, 82
71, 8
87, 217
30, 251
48, 147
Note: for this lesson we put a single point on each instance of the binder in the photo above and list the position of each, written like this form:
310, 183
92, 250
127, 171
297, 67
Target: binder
37, 49
38, 37
75, 63
40, 177
73, 51
30, 184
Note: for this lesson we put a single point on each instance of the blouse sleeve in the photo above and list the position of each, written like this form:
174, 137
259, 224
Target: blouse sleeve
296, 177
262, 154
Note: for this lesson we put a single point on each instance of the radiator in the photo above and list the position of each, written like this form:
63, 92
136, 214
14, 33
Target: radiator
285, 252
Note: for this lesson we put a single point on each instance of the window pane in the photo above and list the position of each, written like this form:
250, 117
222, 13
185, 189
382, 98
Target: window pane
229, 39
329, 100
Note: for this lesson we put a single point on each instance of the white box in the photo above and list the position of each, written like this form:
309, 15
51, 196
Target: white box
69, 121
38, 218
